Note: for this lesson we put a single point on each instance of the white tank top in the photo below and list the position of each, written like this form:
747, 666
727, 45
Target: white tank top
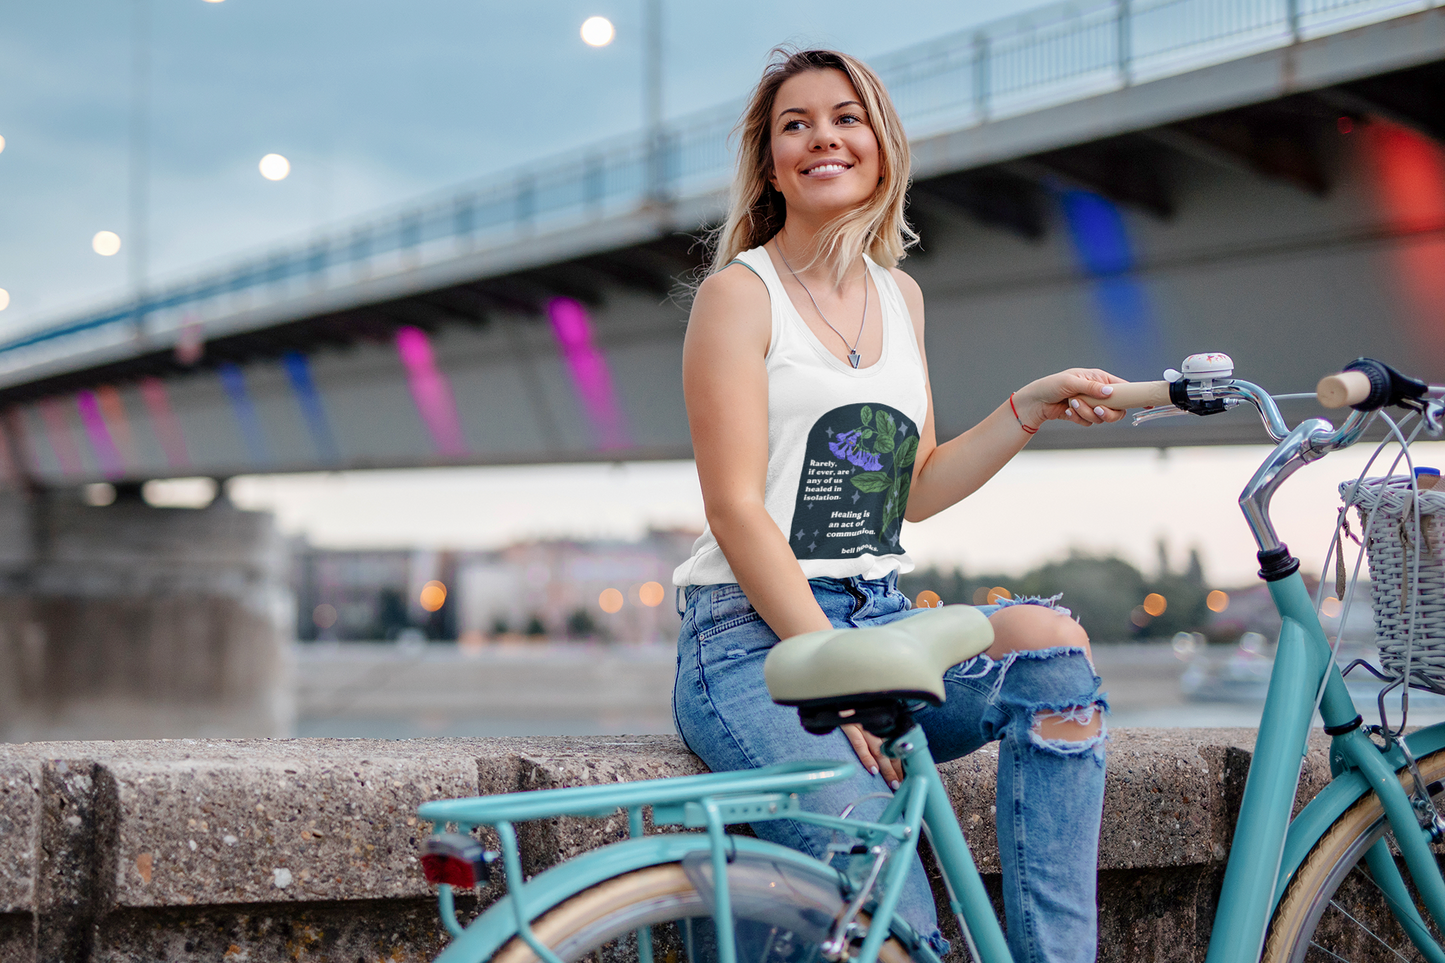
841, 443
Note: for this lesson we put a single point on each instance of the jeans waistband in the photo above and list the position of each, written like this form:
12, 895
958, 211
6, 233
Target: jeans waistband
850, 584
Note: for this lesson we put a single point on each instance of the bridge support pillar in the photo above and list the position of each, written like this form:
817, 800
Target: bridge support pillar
128, 621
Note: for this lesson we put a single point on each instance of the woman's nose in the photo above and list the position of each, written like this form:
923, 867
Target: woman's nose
823, 140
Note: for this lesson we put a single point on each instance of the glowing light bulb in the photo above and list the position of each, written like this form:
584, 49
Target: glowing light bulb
274, 167
597, 31
105, 243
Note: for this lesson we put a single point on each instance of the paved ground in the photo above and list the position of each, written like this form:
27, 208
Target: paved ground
386, 691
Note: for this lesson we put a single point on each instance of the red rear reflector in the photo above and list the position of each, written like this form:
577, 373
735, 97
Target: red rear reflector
454, 859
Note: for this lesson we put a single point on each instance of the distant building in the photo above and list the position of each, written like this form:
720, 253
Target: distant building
610, 591
558, 587
370, 595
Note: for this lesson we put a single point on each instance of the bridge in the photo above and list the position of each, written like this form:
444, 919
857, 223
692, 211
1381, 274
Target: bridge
1117, 184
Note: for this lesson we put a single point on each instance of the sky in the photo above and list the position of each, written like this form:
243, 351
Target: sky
375, 103
378, 103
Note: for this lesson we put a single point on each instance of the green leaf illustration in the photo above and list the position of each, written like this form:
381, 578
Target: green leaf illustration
866, 414
871, 481
867, 432
888, 428
906, 452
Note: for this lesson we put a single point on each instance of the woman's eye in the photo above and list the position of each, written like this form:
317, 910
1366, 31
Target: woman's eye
793, 125
850, 119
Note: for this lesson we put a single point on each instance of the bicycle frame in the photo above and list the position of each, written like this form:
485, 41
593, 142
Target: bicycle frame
1267, 849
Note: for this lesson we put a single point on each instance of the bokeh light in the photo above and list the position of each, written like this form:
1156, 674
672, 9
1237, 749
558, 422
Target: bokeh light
4, 299
610, 601
651, 594
928, 599
324, 616
433, 595
105, 243
1155, 604
1217, 601
2, 145
996, 594
1330, 607
274, 167
597, 31
1139, 617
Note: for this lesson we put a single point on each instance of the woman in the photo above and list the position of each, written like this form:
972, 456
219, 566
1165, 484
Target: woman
812, 423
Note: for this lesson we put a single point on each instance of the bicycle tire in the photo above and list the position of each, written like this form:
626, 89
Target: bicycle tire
1332, 909
600, 922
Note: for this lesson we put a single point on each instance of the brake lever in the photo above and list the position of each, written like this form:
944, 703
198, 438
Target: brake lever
1432, 414
1150, 414
1153, 414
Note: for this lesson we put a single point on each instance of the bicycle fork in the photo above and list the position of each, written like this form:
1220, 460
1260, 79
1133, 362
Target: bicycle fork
1246, 901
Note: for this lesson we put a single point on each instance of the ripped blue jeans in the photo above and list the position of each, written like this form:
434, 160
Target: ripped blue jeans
1050, 792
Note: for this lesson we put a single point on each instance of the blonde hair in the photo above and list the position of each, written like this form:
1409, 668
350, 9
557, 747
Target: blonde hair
757, 210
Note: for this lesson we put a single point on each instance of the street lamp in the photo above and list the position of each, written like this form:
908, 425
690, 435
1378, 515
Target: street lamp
598, 32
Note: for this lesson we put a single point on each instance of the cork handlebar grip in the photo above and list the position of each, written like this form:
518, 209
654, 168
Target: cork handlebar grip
1134, 394
1345, 388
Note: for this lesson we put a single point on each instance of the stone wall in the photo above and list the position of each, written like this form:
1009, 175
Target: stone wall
305, 850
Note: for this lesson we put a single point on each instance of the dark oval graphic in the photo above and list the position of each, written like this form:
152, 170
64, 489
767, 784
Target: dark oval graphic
853, 488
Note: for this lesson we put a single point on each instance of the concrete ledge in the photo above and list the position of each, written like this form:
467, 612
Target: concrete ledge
305, 849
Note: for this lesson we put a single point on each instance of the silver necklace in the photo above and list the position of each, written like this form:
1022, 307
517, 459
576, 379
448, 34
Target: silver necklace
853, 356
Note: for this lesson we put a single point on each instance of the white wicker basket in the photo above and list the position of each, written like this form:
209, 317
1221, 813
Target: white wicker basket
1391, 549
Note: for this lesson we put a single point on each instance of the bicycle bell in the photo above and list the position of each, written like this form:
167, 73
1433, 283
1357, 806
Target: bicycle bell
1204, 370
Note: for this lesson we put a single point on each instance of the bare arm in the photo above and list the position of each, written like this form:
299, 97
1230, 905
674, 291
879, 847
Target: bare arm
944, 475
725, 382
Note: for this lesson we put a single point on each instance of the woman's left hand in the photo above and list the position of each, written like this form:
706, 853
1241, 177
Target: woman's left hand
1060, 397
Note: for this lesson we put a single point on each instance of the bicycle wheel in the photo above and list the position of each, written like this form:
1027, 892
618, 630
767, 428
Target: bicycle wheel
781, 916
1333, 909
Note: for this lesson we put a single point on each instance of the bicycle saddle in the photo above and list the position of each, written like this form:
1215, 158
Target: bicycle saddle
905, 660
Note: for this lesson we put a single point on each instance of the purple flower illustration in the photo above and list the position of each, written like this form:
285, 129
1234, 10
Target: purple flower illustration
846, 446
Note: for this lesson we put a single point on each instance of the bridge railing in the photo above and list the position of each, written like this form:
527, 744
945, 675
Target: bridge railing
966, 79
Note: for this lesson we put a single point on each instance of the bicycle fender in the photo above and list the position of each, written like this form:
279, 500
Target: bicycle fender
1332, 802
491, 931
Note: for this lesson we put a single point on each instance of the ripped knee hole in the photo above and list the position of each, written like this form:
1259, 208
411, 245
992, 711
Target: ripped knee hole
1077, 724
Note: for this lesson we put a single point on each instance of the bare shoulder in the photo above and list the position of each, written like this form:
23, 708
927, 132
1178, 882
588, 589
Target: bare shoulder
734, 286
732, 304
734, 296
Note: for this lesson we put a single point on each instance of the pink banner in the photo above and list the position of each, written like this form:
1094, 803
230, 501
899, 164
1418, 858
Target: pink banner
62, 441
572, 327
431, 392
101, 444
164, 422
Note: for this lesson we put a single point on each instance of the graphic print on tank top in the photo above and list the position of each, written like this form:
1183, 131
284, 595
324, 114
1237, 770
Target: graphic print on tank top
854, 486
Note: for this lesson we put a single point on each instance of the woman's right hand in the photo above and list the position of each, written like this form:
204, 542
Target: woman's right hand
870, 753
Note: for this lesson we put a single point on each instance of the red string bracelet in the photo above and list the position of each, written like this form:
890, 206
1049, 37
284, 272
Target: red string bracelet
1016, 415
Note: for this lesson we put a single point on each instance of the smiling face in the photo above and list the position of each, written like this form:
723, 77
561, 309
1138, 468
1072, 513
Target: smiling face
825, 154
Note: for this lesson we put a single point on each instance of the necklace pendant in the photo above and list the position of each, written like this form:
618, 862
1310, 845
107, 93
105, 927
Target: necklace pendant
854, 357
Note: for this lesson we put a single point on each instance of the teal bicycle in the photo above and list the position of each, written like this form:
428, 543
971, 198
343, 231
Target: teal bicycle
1352, 876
